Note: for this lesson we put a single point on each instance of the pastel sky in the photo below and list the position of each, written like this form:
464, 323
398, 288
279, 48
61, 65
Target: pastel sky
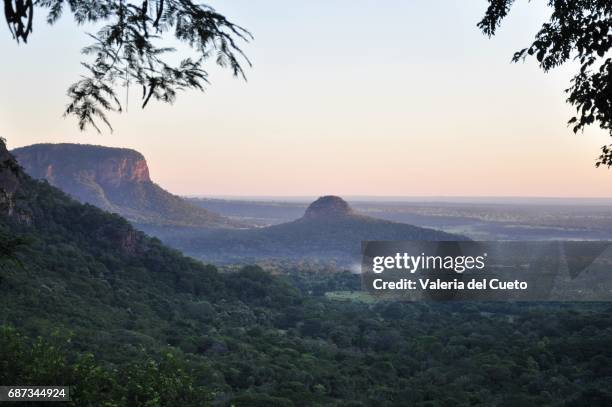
347, 97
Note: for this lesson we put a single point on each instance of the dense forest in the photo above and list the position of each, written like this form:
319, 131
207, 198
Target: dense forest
90, 302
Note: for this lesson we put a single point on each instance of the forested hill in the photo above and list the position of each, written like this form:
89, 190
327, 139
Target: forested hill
88, 301
116, 180
329, 230
71, 268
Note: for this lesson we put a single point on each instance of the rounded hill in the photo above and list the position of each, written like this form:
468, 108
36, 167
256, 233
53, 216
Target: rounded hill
328, 206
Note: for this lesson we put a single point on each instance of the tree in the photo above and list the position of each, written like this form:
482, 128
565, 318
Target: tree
126, 50
577, 30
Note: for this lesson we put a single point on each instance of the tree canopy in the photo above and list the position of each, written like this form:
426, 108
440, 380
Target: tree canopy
578, 30
127, 51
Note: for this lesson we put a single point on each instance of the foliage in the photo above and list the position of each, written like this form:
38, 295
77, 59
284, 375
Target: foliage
577, 30
142, 381
9, 246
127, 49
127, 321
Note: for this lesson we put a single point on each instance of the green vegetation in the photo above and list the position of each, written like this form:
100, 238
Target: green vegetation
142, 381
350, 296
88, 301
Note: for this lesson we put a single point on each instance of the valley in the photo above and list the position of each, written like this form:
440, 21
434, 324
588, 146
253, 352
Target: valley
477, 218
91, 302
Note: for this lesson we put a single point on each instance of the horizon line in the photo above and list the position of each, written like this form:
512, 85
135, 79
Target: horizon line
400, 198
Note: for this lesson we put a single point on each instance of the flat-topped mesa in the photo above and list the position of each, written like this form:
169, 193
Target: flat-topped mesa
329, 206
106, 165
116, 180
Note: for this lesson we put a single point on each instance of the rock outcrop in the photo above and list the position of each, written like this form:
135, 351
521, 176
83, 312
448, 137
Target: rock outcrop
329, 206
9, 180
114, 179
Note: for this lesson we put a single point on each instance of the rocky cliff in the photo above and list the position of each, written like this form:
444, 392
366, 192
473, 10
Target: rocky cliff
9, 180
114, 179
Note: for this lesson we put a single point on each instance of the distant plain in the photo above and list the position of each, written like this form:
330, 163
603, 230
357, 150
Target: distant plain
478, 218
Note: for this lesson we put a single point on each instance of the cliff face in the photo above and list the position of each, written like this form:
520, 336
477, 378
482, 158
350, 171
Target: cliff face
114, 179
83, 171
115, 171
9, 181
108, 162
111, 171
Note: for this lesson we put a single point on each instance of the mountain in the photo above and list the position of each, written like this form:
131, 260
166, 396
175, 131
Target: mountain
116, 180
329, 230
89, 302
89, 283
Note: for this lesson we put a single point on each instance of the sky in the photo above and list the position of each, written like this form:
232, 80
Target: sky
345, 97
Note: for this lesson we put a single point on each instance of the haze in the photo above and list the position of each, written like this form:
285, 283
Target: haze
398, 98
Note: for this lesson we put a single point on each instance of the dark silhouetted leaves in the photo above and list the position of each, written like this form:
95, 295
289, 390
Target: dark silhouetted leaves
580, 30
126, 49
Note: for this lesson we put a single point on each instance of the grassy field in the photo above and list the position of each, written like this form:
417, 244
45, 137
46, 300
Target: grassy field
358, 296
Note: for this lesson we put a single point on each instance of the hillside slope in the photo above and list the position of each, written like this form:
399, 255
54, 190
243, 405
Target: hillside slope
114, 179
330, 230
124, 320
